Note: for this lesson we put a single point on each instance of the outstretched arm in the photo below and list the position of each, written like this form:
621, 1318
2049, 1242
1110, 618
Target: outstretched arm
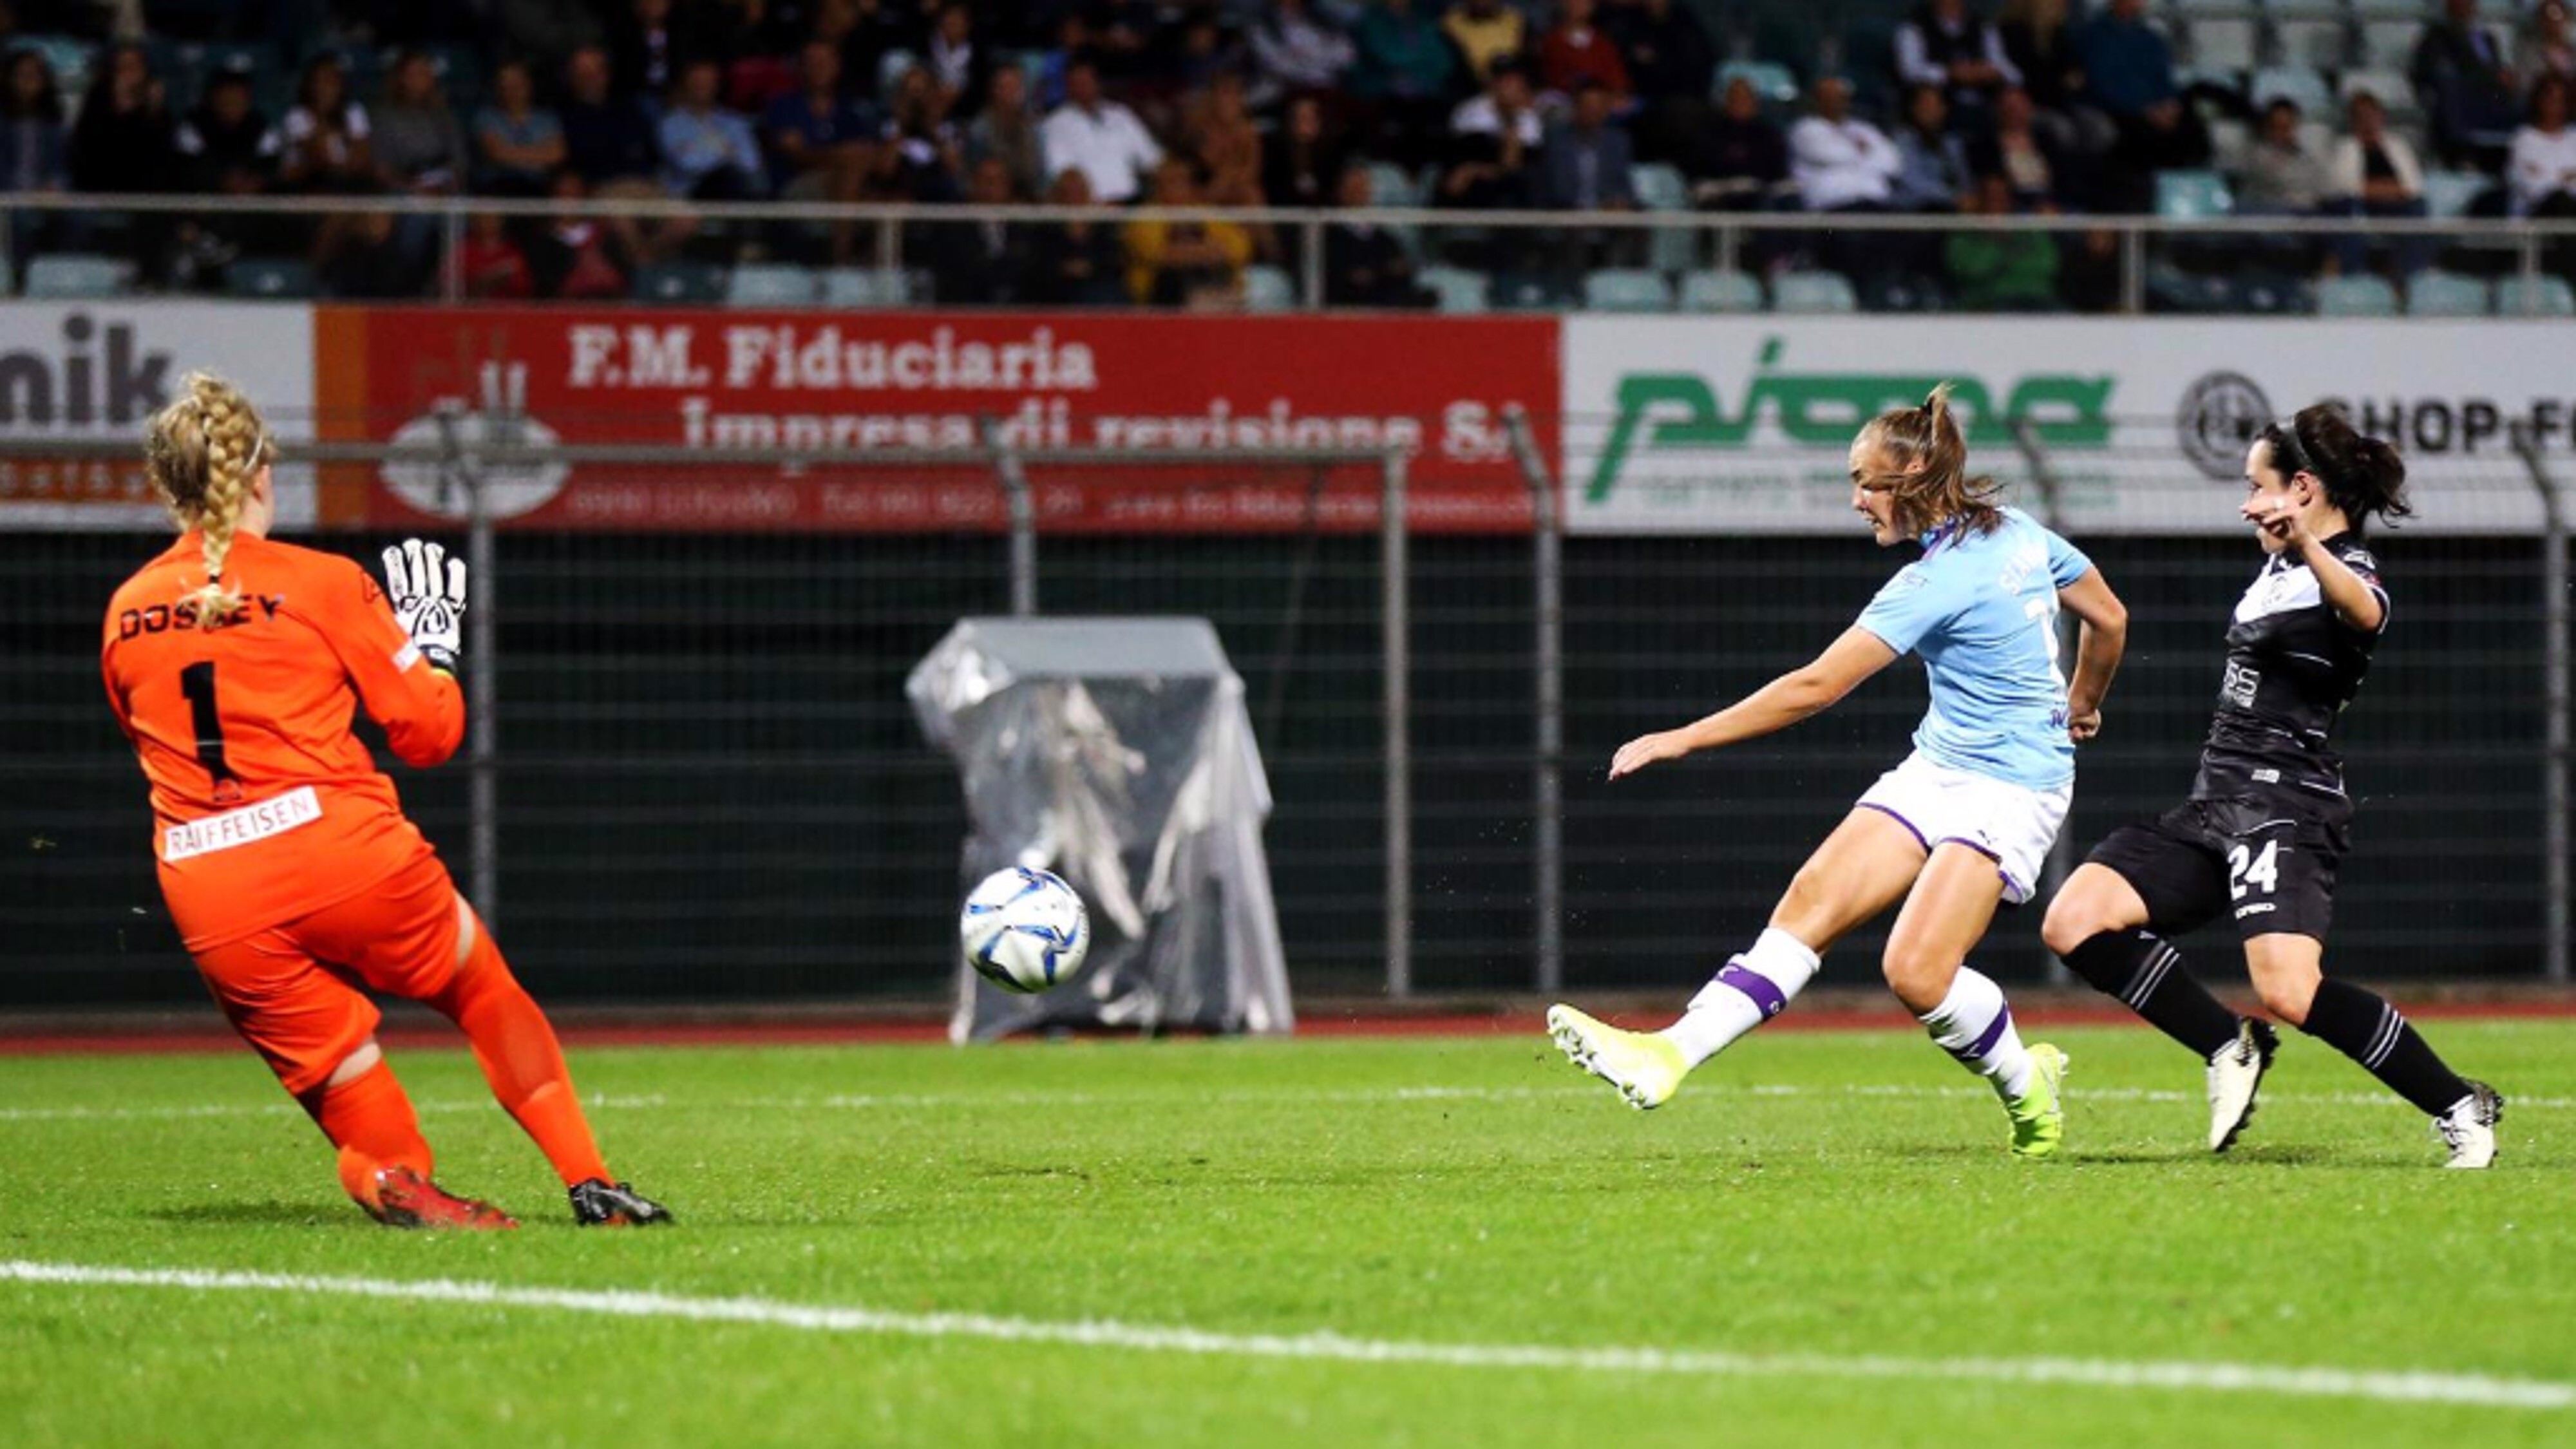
1803, 691
2104, 638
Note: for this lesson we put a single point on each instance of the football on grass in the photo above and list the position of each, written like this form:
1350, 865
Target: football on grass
1024, 930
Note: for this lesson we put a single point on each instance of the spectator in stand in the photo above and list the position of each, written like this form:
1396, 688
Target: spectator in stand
1076, 263
1741, 161
417, 147
1494, 141
355, 258
1944, 44
863, 33
2466, 85
1099, 138
648, 47
1487, 33
1303, 165
1207, 50
518, 142
574, 257
122, 141
1584, 166
2375, 174
1193, 264
2278, 175
709, 153
544, 31
1843, 164
2041, 47
2540, 175
821, 146
1365, 265
35, 150
1226, 145
961, 68
2000, 271
490, 267
2129, 77
980, 263
1932, 162
608, 143
2019, 153
1006, 131
1296, 52
328, 135
1580, 50
921, 158
1670, 65
1403, 75
2545, 45
226, 147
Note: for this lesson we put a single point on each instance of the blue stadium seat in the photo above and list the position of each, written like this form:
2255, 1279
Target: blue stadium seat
866, 287
79, 274
1459, 289
1775, 83
2362, 296
1627, 289
2192, 195
2299, 84
2324, 40
680, 283
1268, 289
771, 285
1528, 292
1813, 292
2448, 294
1391, 185
2394, 92
1720, 292
2450, 193
269, 277
2542, 296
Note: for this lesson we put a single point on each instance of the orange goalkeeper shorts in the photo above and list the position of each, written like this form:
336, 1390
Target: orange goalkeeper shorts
292, 991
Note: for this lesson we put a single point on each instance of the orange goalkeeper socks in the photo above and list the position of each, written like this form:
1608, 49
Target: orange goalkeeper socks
369, 1118
516, 1047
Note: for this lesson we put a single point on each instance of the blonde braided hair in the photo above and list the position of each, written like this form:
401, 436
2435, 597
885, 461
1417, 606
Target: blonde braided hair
202, 452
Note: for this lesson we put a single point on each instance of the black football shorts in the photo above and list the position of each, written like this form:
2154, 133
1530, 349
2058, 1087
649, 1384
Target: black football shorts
2265, 867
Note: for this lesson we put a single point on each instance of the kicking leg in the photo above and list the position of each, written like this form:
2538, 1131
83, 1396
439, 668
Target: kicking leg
1861, 869
1963, 1008
2288, 975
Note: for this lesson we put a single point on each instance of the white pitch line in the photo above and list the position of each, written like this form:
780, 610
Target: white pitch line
877, 1101
2476, 1390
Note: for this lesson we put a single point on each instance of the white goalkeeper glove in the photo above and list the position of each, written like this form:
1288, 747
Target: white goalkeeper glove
428, 593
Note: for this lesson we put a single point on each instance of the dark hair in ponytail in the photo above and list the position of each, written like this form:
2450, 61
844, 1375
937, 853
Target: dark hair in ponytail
2362, 475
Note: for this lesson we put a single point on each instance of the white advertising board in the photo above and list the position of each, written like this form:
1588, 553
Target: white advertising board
101, 369
1720, 425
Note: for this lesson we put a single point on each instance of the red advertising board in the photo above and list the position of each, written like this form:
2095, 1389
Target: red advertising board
843, 384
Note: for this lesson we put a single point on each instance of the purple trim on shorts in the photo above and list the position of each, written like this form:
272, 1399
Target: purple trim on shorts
1901, 820
2001, 874
1994, 1033
1764, 992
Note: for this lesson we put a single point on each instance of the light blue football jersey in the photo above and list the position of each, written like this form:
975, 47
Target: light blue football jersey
1982, 611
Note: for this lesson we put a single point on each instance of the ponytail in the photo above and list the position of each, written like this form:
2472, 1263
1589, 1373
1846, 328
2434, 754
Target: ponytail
1928, 456
202, 452
2362, 475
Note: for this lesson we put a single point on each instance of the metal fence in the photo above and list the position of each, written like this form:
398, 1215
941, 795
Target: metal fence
693, 774
878, 255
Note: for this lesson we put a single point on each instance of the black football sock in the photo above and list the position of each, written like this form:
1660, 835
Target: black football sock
2149, 976
2367, 1029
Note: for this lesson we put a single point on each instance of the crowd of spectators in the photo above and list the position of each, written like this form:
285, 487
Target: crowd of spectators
1102, 104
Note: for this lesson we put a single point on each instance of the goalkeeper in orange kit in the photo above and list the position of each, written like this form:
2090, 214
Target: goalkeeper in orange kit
235, 665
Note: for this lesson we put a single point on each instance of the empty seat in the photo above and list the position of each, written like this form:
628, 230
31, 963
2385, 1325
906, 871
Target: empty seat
680, 282
1721, 292
2389, 42
2227, 43
2448, 294
1627, 289
2356, 297
2395, 93
2318, 40
268, 277
2298, 84
2192, 195
770, 285
1391, 185
79, 274
2542, 296
1459, 289
1659, 187
1772, 81
1268, 289
859, 287
2450, 193
1813, 292
1527, 292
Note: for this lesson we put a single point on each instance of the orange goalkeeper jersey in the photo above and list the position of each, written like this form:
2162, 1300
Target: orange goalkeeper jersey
267, 805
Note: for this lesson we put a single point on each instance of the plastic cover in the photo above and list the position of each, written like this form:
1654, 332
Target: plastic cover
1118, 754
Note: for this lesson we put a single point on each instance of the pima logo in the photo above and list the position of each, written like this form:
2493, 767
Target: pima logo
86, 380
2217, 421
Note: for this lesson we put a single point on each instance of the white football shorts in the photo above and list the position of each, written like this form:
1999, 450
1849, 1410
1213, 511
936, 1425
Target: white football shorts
2011, 825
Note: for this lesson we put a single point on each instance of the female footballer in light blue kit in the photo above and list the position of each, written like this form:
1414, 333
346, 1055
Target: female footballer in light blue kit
1962, 825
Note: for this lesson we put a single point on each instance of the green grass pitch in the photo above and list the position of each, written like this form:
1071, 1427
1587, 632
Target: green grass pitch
1413, 1241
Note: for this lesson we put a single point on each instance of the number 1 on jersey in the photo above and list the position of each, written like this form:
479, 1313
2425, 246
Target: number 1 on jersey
197, 681
2043, 612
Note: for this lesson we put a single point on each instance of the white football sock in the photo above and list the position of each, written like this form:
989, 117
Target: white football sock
1974, 1024
1753, 988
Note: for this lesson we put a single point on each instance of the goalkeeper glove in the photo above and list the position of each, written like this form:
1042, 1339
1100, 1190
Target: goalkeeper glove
428, 593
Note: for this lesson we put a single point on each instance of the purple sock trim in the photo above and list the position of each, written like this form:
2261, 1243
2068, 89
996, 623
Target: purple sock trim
1994, 1033
1901, 820
1762, 990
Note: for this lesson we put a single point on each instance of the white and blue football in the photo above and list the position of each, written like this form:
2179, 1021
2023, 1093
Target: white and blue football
1024, 930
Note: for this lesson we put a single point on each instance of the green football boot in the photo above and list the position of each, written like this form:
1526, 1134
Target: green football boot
1645, 1068
2039, 1114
